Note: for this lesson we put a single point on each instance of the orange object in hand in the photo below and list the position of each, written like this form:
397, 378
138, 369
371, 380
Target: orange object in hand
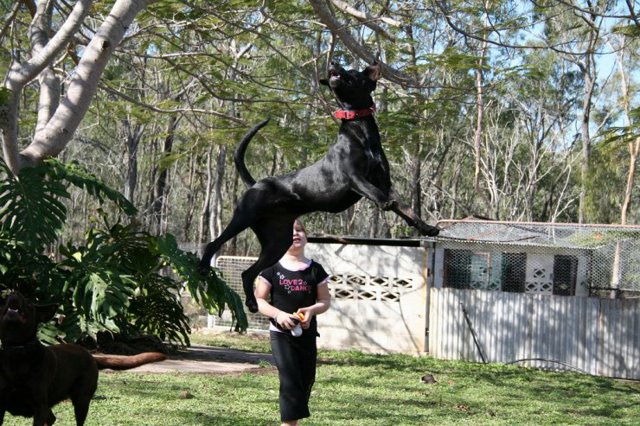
299, 315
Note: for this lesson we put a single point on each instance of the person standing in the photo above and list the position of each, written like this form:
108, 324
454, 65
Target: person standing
293, 292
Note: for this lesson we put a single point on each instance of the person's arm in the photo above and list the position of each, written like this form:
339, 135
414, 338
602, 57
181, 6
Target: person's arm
262, 291
323, 303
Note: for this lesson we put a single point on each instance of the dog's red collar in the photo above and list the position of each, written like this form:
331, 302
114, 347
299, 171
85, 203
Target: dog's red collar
344, 114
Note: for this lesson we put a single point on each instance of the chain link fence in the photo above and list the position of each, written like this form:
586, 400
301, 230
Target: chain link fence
540, 258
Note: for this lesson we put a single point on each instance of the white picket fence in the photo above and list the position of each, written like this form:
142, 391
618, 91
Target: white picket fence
595, 336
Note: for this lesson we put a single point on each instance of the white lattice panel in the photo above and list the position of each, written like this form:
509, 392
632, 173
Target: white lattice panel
363, 287
539, 274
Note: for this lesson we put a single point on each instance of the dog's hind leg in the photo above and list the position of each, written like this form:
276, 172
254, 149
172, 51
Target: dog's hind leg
275, 237
83, 392
237, 225
51, 419
81, 409
43, 415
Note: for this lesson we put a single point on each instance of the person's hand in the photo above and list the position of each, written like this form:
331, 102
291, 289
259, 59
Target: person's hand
307, 314
285, 320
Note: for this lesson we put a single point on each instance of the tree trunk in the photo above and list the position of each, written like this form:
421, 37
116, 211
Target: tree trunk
53, 137
191, 206
160, 191
634, 150
633, 146
586, 142
217, 202
416, 183
588, 68
479, 130
132, 137
22, 73
206, 203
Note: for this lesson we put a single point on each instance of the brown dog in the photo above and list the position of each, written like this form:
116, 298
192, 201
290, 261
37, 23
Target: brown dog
34, 377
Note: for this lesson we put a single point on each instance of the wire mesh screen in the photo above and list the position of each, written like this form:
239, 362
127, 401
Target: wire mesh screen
537, 258
231, 268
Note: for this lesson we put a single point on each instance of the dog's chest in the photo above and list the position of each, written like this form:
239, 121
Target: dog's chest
19, 364
363, 140
17, 400
18, 367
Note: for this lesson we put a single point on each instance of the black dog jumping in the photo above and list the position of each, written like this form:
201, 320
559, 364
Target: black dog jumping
354, 167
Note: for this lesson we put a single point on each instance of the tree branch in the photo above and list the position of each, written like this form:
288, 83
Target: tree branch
21, 74
328, 19
9, 20
367, 19
632, 13
60, 129
171, 111
49, 82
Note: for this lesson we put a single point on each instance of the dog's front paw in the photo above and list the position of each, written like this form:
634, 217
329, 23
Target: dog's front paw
203, 267
251, 304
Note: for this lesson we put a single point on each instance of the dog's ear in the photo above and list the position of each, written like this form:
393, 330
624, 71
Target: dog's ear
46, 312
324, 81
4, 294
373, 71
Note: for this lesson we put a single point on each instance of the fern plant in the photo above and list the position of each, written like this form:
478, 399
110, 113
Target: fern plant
120, 279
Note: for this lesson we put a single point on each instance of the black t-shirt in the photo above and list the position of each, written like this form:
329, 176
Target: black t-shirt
292, 290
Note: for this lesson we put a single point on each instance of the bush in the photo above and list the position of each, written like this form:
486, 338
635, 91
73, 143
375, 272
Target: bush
121, 279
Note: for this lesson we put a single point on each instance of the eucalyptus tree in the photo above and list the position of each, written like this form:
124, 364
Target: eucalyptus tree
527, 161
598, 39
575, 31
485, 60
624, 43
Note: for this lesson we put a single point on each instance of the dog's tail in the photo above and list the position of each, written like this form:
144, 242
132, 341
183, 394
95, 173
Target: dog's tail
240, 151
124, 362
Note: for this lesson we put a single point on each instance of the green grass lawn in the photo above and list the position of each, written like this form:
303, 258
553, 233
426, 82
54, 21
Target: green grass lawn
362, 389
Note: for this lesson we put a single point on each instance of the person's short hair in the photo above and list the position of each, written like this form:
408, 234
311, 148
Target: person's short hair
299, 222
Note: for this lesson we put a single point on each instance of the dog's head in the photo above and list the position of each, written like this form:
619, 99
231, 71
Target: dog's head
19, 319
353, 88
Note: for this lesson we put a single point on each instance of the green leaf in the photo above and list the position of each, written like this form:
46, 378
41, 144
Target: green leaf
30, 209
210, 291
77, 175
627, 30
